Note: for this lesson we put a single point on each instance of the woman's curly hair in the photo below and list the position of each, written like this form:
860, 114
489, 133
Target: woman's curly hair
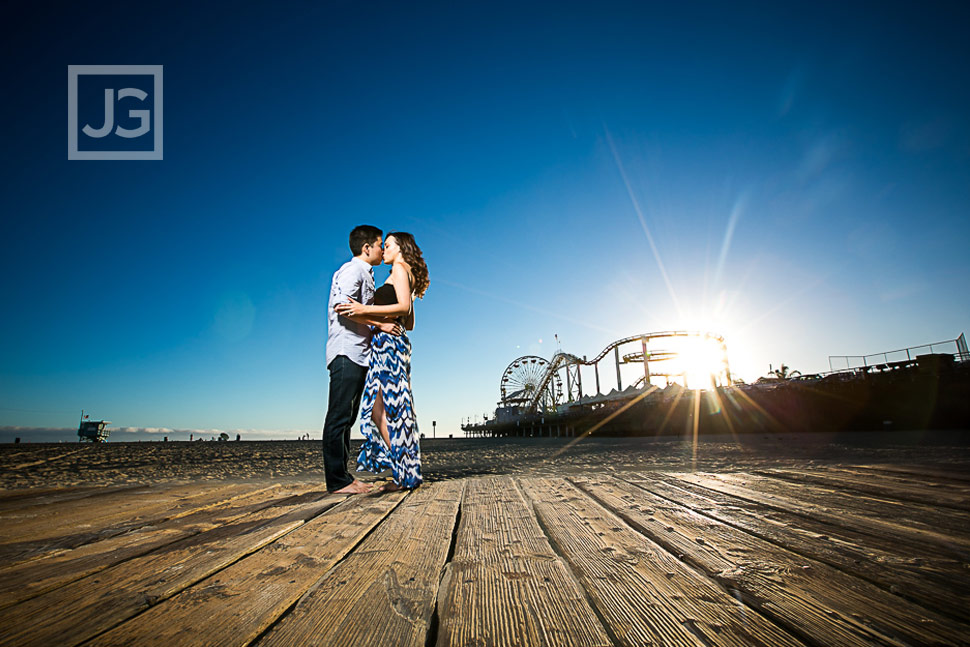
413, 257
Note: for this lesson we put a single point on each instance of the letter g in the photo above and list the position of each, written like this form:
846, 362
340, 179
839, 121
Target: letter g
141, 115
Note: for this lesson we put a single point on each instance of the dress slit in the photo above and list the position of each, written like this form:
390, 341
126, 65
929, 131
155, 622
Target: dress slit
389, 375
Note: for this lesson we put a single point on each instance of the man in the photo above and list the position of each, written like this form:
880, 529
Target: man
348, 350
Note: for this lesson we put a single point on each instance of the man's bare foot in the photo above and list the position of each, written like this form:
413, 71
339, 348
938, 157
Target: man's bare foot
357, 487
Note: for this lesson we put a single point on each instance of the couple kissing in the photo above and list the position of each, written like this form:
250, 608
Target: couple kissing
369, 360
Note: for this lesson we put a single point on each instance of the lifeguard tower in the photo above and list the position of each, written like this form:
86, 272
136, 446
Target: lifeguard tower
95, 431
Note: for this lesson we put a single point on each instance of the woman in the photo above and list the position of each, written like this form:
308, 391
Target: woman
388, 425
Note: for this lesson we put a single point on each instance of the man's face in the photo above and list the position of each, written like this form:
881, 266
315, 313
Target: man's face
374, 252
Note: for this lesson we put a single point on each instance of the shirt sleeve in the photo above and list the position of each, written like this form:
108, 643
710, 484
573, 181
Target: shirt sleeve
347, 285
367, 288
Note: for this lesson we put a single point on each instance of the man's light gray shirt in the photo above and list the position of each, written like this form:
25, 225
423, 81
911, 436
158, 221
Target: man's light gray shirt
354, 279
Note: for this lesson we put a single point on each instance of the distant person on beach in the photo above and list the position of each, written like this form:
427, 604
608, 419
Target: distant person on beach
387, 417
348, 352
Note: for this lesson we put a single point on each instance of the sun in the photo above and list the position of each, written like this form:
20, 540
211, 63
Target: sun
702, 362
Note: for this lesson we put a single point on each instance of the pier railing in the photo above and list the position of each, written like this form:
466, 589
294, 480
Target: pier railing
956, 347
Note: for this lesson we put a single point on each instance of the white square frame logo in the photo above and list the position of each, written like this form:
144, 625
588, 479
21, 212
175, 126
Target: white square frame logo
73, 71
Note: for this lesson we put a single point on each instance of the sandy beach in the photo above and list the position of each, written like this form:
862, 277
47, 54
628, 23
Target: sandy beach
116, 463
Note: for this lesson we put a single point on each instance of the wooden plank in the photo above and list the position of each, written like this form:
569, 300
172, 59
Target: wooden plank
915, 523
25, 580
505, 585
32, 535
957, 473
914, 573
917, 545
935, 495
384, 592
261, 587
19, 499
809, 598
935, 479
941, 482
83, 609
645, 594
101, 513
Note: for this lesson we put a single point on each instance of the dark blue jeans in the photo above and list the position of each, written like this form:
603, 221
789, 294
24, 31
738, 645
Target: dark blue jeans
346, 386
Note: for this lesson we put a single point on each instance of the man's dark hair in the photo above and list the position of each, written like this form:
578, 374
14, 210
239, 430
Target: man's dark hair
363, 235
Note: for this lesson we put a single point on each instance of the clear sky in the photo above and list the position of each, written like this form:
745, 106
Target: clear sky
803, 174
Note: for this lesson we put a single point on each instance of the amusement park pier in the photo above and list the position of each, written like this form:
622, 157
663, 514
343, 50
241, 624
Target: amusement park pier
686, 387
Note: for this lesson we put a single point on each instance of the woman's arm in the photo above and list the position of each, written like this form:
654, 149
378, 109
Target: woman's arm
402, 289
409, 320
401, 273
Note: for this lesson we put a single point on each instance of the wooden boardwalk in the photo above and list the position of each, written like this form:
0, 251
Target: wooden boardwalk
862, 555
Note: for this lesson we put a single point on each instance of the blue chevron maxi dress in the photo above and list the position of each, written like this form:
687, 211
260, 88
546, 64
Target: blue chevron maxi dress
390, 371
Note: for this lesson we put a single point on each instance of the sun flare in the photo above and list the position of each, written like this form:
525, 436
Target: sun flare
702, 362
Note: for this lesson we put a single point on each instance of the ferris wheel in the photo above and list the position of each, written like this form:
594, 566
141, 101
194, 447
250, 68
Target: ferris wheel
522, 378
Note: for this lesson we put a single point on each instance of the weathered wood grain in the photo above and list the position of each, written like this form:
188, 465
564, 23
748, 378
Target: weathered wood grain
935, 495
505, 584
55, 516
25, 580
384, 592
83, 609
47, 510
645, 594
919, 575
956, 473
237, 604
804, 595
934, 478
824, 560
904, 541
31, 533
915, 523
18, 499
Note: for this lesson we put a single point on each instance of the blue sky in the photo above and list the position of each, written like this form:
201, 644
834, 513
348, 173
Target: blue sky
804, 174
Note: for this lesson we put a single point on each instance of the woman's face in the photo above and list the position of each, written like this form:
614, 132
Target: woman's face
391, 250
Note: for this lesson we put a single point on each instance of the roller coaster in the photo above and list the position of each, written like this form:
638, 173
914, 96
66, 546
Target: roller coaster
546, 398
532, 384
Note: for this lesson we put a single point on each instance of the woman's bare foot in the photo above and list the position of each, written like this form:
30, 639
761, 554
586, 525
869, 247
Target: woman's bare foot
357, 487
390, 487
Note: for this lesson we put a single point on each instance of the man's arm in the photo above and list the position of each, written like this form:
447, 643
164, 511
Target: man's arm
385, 324
402, 290
353, 285
347, 285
